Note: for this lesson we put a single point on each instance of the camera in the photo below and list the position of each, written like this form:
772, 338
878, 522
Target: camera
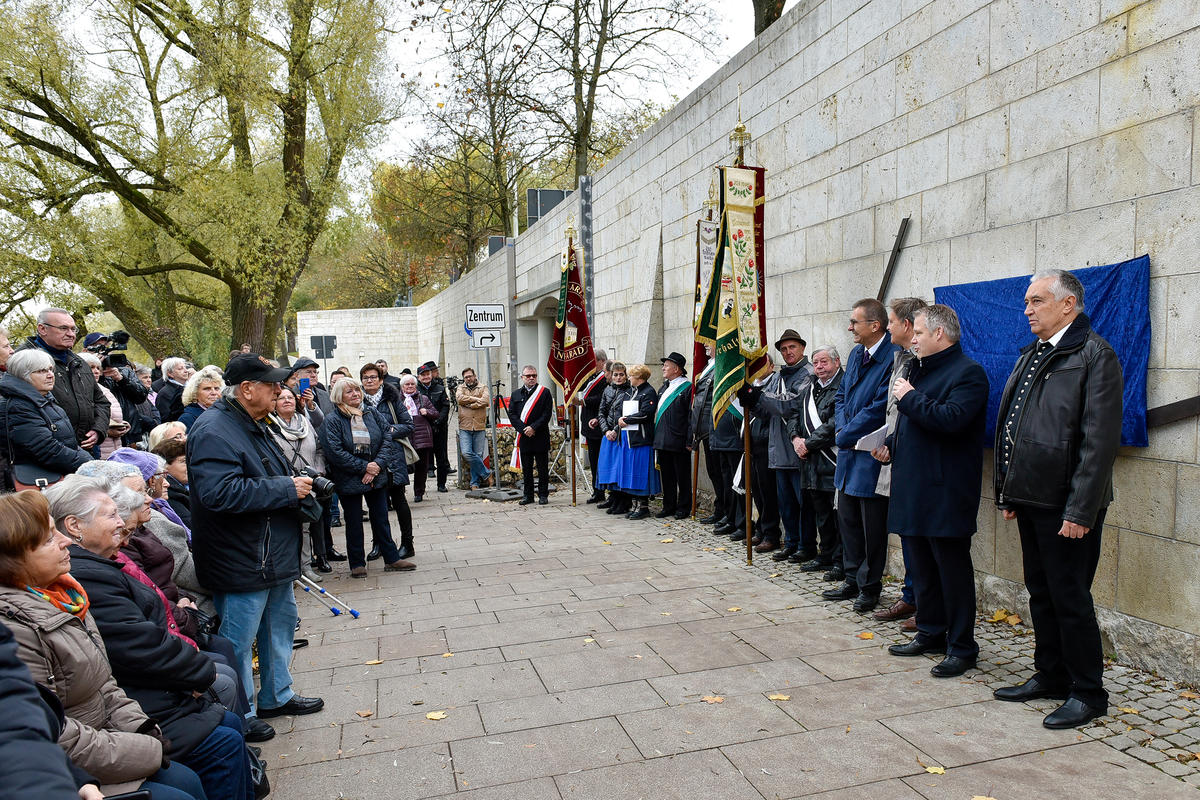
117, 340
322, 487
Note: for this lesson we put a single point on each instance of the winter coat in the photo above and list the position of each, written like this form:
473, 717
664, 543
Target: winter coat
130, 393
76, 391
726, 437
394, 413
700, 425
152, 665
818, 434
173, 538
640, 426
68, 656
589, 410
937, 448
472, 407
436, 392
778, 401
671, 423
169, 401
861, 408
539, 419
35, 430
180, 500
300, 451
1066, 438
901, 365
422, 432
191, 413
610, 406
245, 518
346, 468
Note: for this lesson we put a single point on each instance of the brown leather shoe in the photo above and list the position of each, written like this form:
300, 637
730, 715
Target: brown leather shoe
897, 610
909, 625
399, 566
766, 547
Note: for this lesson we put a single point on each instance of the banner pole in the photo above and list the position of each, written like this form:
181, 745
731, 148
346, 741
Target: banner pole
571, 431
695, 474
746, 479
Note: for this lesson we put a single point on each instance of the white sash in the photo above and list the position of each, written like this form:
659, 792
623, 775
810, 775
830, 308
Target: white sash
526, 410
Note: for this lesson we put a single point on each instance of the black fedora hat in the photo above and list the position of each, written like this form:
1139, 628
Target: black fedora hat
677, 360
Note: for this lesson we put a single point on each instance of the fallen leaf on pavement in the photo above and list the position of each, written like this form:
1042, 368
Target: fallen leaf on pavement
588, 641
981, 797
664, 613
866, 635
605, 542
936, 770
667, 540
447, 655
436, 715
711, 699
1000, 615
372, 662
460, 537
1013, 620
776, 574
779, 697
365, 714
1128, 710
961, 733
1189, 695
734, 608
718, 549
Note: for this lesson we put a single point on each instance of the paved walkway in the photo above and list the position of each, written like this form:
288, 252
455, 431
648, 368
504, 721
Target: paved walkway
578, 655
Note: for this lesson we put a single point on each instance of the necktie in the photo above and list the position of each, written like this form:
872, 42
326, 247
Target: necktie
866, 356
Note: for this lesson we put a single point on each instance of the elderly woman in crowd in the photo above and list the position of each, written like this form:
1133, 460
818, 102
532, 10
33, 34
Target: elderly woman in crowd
117, 426
613, 444
167, 430
173, 452
637, 474
423, 415
359, 452
165, 674
202, 389
34, 430
388, 402
6, 349
105, 733
300, 440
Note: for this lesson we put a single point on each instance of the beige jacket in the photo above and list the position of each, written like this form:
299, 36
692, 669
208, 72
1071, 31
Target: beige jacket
68, 657
472, 407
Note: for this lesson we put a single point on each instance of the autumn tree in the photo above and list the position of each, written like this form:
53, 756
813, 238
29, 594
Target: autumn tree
766, 12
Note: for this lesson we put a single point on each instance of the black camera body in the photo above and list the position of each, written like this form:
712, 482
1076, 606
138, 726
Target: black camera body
322, 487
117, 340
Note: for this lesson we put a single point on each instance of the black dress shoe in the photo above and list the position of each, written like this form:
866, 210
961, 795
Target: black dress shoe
917, 647
604, 503
258, 731
594, 499
336, 522
709, 520
1032, 689
641, 512
417, 498
666, 512
298, 643
543, 501
816, 565
320, 564
805, 555
1072, 714
724, 529
613, 508
443, 489
952, 667
737, 535
865, 602
684, 514
295, 707
451, 471
784, 554
835, 573
334, 555
405, 552
843, 591
525, 501
374, 555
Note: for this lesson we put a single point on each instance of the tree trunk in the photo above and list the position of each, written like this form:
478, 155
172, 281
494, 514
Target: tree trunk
765, 13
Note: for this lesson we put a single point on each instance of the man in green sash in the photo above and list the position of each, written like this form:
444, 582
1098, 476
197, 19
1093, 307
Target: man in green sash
671, 437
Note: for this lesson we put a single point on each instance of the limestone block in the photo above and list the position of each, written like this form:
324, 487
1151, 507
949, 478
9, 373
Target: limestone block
1104, 585
914, 28
870, 21
953, 209
1102, 235
1159, 80
1183, 317
937, 115
949, 60
858, 234
810, 204
876, 143
842, 74
850, 281
1141, 160
1196, 149
1111, 8
845, 192
1008, 549
823, 243
1187, 501
1056, 117
1176, 441
1159, 314
998, 253
1020, 29
867, 103
785, 253
841, 9
830, 328
992, 592
1082, 52
919, 268
922, 164
1148, 645
1143, 496
1029, 189
1151, 580
978, 144
1168, 228
802, 292
1002, 87
887, 221
1151, 23
826, 51
879, 180
983, 543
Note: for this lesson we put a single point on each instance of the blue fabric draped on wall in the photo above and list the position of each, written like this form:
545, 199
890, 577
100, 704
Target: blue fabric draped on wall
1117, 300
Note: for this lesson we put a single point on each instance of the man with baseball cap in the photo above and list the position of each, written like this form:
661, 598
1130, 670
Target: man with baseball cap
246, 529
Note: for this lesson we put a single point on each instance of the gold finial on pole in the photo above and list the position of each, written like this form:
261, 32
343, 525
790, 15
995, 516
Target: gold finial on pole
570, 231
711, 203
739, 137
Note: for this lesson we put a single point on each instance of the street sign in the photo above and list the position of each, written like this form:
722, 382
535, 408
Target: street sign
485, 316
483, 340
323, 345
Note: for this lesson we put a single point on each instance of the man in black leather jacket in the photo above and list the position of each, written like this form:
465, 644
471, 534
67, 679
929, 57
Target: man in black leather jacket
1057, 435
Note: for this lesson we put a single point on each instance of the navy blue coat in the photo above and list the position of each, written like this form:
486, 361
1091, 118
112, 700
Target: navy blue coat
400, 426
35, 429
860, 408
937, 449
345, 468
245, 513
640, 426
191, 413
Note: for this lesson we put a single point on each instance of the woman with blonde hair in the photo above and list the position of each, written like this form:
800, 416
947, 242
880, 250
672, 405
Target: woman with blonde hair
201, 391
637, 474
168, 430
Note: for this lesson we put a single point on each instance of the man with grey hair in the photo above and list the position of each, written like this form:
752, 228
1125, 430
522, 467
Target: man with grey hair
75, 389
937, 450
529, 411
169, 402
811, 432
1057, 434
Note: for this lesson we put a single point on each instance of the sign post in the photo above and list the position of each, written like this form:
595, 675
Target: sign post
323, 347
485, 324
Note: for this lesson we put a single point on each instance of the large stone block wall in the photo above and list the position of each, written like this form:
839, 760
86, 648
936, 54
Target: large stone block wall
1017, 135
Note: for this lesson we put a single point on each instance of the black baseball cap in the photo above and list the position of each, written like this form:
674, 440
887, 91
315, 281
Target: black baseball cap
253, 367
303, 363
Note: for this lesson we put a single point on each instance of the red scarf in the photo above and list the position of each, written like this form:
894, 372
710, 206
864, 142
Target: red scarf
134, 571
65, 594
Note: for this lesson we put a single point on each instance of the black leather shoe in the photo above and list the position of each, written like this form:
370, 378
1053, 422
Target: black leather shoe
835, 573
374, 555
604, 503
666, 512
443, 489
952, 667
525, 501
336, 522
709, 520
641, 512
805, 555
542, 501
258, 731
816, 565
295, 707
320, 564
417, 498
451, 471
737, 535
724, 529
916, 647
1072, 714
865, 602
684, 514
843, 591
1032, 689
613, 508
594, 499
405, 552
334, 555
298, 643
784, 554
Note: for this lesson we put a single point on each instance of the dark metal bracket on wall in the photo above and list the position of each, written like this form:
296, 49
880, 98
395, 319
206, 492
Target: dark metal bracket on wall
897, 246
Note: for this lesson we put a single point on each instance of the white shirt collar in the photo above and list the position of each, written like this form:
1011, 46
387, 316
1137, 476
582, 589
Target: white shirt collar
875, 346
671, 384
1056, 338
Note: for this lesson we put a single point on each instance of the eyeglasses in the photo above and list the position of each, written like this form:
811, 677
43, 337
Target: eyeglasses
370, 378
534, 375
43, 371
66, 328
854, 322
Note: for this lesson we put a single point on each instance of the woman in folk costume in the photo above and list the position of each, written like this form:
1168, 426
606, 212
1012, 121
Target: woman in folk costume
618, 392
637, 474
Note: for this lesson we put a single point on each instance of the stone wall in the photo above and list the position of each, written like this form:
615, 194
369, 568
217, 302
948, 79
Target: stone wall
1016, 134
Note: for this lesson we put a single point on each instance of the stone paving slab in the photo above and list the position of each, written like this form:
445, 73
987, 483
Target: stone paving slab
567, 667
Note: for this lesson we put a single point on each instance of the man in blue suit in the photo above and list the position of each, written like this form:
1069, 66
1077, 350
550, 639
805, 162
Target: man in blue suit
861, 408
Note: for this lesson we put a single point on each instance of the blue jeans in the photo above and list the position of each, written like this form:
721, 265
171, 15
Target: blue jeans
473, 445
270, 617
799, 521
222, 762
175, 782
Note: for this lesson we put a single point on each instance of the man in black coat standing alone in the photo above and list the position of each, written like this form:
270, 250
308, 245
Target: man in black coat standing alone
671, 438
937, 451
529, 411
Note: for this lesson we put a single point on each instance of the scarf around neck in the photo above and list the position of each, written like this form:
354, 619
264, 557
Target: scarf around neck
65, 594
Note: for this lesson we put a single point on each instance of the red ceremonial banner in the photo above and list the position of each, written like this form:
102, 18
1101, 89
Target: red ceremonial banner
572, 359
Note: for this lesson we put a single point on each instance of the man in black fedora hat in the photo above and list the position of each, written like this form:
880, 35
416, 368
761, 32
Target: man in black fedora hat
671, 437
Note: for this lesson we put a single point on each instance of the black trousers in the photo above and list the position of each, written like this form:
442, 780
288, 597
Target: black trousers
419, 472
820, 505
863, 524
593, 451
541, 459
712, 466
440, 440
399, 499
675, 470
735, 504
381, 529
1059, 573
943, 580
766, 496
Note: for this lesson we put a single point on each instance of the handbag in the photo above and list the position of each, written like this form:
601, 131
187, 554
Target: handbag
411, 456
31, 476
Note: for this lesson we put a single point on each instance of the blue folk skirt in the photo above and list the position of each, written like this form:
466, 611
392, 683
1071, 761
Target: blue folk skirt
608, 473
637, 475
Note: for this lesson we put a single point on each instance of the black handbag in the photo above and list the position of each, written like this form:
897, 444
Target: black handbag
27, 476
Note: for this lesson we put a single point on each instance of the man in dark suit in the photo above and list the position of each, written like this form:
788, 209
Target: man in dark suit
671, 438
1057, 435
860, 409
937, 452
435, 389
529, 411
